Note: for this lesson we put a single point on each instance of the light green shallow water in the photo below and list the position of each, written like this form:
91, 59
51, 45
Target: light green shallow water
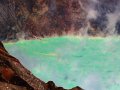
92, 63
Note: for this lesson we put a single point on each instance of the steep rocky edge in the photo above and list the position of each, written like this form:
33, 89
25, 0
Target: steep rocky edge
40, 18
14, 76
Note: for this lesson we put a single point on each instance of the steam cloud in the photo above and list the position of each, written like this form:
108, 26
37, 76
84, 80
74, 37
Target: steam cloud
104, 15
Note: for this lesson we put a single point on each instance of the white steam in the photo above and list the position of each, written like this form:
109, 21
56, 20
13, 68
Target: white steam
93, 82
113, 18
92, 12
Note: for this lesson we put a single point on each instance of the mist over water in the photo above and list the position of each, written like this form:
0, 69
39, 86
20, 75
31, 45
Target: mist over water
91, 63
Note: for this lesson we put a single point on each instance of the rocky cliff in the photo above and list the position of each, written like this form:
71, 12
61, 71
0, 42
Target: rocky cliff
39, 18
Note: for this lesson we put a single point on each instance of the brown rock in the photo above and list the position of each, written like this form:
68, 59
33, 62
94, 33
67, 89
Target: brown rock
6, 73
7, 86
38, 18
77, 88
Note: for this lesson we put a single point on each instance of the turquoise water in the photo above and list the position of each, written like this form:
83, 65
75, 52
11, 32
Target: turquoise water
92, 63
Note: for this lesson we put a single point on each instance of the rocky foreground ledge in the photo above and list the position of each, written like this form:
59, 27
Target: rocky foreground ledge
14, 76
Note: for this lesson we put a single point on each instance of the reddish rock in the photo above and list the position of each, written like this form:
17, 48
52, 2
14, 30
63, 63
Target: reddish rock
39, 18
6, 73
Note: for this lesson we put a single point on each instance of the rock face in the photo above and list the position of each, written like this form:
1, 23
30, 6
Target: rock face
13, 76
39, 18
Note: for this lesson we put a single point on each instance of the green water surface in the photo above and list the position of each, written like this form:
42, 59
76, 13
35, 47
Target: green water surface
92, 63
